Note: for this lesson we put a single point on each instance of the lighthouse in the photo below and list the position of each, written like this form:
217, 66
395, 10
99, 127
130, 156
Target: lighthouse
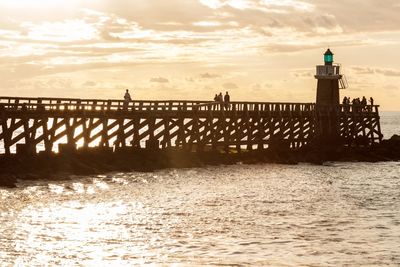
330, 80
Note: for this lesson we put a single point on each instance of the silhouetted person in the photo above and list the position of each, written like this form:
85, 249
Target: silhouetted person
371, 101
215, 100
358, 104
221, 100
346, 103
227, 99
127, 99
364, 103
355, 104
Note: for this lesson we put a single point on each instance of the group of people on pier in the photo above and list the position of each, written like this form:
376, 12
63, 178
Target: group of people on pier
358, 104
224, 101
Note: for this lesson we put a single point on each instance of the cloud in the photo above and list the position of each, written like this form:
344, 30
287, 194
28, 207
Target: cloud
256, 87
230, 86
264, 5
209, 75
208, 40
388, 72
159, 80
391, 87
381, 71
363, 70
89, 83
108, 33
303, 74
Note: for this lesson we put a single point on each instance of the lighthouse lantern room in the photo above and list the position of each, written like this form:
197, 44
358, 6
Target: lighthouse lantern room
330, 80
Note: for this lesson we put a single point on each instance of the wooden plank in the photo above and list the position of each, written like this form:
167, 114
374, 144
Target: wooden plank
5, 135
195, 121
46, 135
135, 133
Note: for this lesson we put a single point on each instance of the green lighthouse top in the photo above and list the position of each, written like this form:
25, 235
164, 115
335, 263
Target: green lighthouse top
328, 57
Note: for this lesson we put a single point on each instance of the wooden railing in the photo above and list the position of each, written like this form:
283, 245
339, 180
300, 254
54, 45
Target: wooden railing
23, 103
28, 122
359, 108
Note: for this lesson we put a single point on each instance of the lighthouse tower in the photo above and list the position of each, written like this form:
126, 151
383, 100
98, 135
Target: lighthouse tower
330, 80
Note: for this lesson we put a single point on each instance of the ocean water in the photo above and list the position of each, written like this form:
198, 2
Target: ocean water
390, 123
339, 214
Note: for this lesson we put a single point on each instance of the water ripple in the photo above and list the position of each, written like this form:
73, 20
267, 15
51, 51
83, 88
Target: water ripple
274, 215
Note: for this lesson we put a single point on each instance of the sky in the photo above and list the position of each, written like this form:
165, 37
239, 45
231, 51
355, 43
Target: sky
258, 50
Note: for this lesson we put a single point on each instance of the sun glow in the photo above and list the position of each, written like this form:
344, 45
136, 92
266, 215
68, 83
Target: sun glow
104, 46
72, 30
24, 4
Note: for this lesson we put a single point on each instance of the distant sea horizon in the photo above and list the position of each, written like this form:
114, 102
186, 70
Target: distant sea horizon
390, 123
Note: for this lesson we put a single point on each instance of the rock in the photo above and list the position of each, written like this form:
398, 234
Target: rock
31, 176
8, 181
98, 161
395, 138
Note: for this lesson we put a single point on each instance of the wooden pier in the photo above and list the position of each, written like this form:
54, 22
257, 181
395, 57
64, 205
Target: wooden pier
31, 125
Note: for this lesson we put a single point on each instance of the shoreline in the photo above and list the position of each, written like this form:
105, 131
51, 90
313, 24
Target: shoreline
99, 161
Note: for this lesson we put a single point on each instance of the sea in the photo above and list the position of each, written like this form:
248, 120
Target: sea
336, 214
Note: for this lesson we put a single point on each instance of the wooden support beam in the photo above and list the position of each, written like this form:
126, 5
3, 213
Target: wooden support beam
195, 135
24, 134
166, 141
120, 141
191, 124
104, 133
88, 130
260, 129
6, 133
85, 130
46, 136
135, 133
181, 129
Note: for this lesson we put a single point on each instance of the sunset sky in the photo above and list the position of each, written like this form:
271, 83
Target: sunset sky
258, 50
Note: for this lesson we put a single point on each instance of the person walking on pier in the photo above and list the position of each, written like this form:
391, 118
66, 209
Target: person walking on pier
127, 99
227, 100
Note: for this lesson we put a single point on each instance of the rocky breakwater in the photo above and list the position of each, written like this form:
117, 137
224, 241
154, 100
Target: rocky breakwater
387, 150
102, 160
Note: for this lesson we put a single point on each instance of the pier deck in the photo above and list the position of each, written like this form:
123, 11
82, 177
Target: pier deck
29, 125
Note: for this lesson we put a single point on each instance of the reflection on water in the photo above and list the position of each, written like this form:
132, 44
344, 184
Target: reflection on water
245, 214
